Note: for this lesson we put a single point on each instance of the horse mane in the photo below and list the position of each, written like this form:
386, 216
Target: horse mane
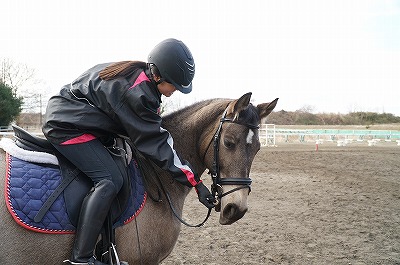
188, 110
249, 115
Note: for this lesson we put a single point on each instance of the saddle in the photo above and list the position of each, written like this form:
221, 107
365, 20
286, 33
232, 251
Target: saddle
74, 191
70, 186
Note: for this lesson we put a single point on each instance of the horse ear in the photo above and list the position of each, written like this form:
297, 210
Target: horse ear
265, 109
238, 105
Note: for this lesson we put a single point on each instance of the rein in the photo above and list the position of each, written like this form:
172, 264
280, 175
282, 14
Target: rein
218, 182
174, 211
160, 185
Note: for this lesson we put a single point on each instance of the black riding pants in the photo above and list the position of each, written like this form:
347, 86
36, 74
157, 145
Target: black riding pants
93, 159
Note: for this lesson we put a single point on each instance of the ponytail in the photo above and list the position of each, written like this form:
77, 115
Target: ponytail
121, 69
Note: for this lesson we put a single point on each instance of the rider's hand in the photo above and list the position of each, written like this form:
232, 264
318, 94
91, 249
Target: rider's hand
205, 197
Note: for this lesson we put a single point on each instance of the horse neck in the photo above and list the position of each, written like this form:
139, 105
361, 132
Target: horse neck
192, 130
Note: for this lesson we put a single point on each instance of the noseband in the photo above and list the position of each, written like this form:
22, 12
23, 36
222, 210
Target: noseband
218, 182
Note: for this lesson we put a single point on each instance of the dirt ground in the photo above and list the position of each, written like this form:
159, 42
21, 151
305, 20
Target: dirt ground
337, 205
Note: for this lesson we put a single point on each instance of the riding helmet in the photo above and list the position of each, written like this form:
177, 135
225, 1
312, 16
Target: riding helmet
175, 63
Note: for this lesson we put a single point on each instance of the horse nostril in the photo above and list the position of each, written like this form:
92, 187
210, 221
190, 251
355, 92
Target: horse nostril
233, 212
230, 210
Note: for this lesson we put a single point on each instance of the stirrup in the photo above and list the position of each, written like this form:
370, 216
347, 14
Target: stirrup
92, 262
76, 263
113, 256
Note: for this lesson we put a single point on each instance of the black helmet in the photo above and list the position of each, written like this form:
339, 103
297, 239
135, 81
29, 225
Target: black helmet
175, 63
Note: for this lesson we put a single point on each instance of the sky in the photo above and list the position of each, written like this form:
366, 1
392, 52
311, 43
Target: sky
334, 56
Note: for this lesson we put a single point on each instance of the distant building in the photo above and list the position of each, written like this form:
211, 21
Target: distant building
30, 121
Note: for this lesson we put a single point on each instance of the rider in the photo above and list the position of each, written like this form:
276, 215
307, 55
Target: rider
119, 98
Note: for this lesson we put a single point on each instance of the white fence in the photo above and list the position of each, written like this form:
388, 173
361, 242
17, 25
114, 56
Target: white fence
267, 135
270, 135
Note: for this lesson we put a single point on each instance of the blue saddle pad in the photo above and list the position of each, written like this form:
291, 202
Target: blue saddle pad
28, 185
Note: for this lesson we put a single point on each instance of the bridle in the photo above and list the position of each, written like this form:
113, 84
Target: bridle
218, 182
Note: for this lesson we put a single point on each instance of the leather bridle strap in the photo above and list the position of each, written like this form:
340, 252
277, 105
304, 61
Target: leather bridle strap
218, 182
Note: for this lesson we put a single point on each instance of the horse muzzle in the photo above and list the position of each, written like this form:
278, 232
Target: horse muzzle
231, 213
233, 207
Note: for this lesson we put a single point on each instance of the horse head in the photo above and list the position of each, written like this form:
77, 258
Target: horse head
224, 135
234, 153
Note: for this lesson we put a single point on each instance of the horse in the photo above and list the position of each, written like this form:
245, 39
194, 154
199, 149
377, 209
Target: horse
217, 134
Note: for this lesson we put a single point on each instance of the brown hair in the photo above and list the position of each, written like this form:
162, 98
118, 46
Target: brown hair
121, 69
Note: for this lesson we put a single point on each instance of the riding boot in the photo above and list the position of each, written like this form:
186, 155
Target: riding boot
94, 210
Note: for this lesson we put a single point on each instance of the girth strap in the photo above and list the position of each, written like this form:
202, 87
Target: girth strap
68, 177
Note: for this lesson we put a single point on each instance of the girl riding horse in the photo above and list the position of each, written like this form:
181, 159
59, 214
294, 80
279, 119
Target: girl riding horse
119, 98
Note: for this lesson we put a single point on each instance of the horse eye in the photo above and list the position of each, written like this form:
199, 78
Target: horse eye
229, 144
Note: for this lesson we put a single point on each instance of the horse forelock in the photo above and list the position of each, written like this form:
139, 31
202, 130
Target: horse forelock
249, 116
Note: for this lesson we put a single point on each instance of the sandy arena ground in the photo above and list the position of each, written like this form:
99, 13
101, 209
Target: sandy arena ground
337, 205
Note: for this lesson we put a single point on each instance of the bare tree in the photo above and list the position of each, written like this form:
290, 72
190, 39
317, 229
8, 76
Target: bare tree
14, 74
306, 109
18, 76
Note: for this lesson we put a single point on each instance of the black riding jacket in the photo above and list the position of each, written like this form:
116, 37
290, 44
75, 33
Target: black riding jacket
90, 107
